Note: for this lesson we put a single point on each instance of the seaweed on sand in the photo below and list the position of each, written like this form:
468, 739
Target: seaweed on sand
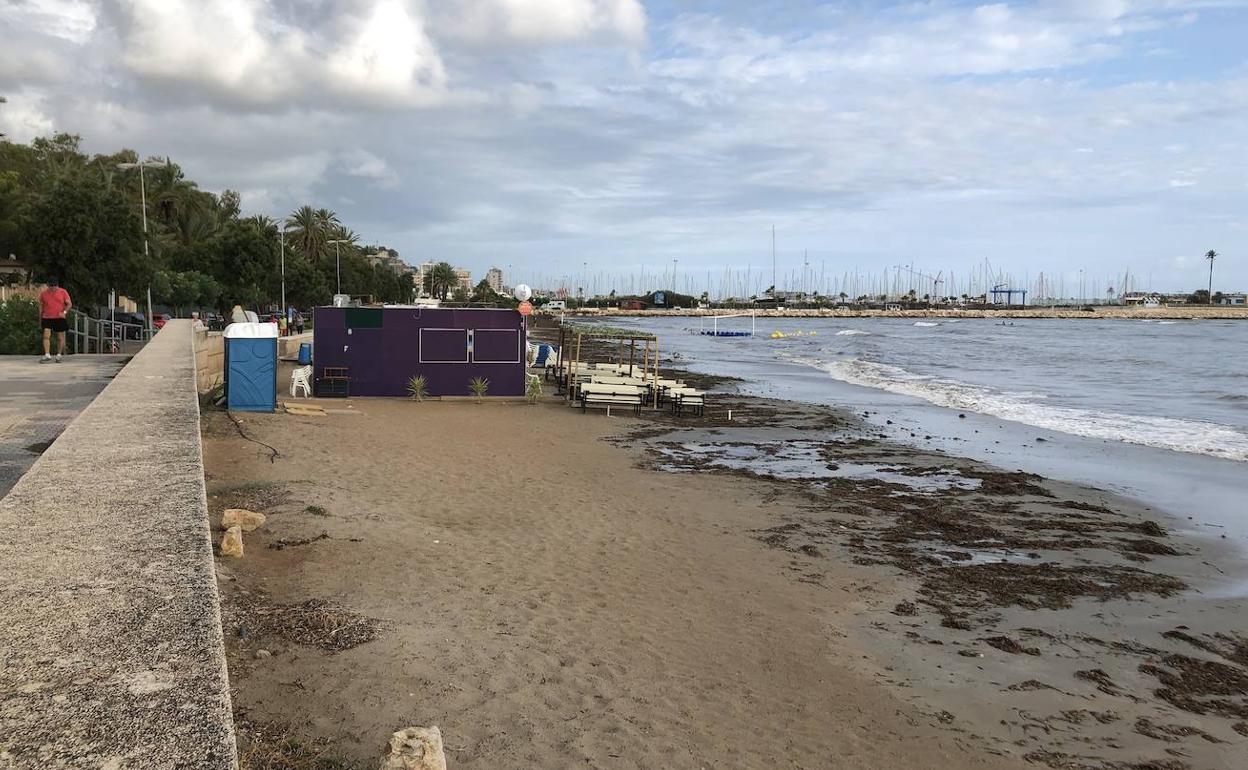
1043, 586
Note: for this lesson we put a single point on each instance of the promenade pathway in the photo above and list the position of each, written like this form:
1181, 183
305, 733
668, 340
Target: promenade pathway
38, 400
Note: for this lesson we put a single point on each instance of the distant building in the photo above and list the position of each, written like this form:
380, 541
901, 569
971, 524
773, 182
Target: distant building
494, 277
1141, 299
465, 278
1233, 299
12, 271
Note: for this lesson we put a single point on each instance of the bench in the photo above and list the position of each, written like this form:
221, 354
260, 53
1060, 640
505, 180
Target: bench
591, 394
687, 397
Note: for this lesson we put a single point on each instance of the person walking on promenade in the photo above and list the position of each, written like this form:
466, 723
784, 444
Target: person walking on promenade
54, 305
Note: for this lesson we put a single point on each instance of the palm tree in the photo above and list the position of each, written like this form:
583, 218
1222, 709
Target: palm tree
307, 233
441, 279
1211, 255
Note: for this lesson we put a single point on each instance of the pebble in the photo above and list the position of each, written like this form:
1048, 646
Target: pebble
262, 654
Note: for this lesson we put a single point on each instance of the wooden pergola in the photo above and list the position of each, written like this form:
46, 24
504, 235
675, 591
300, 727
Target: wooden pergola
571, 336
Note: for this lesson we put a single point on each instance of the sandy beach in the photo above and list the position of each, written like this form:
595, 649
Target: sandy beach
555, 589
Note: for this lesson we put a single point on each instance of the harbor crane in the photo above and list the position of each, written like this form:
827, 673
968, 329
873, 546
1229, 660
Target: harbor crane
937, 280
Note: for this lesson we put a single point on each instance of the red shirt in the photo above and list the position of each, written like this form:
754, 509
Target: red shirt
53, 302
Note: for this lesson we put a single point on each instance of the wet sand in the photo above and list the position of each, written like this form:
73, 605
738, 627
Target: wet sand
557, 589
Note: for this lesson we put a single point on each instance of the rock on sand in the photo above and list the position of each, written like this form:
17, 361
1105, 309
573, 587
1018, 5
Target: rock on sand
232, 542
416, 748
241, 517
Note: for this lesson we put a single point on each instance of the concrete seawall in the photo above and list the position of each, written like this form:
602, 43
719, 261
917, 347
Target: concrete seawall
111, 638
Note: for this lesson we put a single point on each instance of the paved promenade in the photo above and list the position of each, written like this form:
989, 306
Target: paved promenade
111, 640
38, 400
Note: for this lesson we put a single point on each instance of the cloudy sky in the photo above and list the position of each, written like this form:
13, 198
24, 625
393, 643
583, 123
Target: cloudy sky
546, 135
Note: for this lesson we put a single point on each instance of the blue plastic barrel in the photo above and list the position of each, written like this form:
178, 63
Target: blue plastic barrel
305, 353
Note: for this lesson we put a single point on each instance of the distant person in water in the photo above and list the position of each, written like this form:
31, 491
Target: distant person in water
54, 305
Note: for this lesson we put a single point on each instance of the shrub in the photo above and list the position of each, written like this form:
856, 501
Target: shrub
19, 326
533, 388
479, 386
418, 388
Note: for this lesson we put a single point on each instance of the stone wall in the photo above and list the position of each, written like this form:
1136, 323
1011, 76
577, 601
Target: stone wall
209, 360
111, 639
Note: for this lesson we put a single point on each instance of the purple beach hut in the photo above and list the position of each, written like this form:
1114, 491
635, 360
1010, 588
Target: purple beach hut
379, 349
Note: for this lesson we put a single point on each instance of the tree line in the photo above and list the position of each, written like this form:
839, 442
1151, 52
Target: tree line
78, 218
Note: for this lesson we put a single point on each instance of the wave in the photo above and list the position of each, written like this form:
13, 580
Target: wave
850, 332
1160, 432
926, 323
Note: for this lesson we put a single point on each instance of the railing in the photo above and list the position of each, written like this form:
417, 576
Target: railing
103, 335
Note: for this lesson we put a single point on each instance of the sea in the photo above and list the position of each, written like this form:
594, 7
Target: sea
1152, 409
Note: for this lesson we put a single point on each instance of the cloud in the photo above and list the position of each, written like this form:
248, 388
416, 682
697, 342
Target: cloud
544, 22
242, 51
23, 118
365, 165
553, 133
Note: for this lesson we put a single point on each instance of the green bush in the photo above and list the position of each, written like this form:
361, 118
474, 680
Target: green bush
19, 327
418, 388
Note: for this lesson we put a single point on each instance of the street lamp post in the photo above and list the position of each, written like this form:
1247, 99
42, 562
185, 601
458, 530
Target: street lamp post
338, 261
143, 197
282, 239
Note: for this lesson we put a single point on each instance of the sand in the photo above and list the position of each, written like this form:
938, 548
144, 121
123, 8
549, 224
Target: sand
542, 599
563, 590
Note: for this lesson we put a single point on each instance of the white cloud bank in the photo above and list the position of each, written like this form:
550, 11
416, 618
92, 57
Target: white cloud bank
555, 132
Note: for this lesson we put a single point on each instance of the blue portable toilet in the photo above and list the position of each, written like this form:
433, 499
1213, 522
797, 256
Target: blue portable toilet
251, 367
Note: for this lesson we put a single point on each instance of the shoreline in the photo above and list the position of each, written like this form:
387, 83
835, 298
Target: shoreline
1177, 313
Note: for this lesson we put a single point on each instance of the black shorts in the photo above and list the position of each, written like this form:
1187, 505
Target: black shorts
59, 325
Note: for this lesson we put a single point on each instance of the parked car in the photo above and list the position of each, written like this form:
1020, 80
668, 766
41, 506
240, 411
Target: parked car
159, 319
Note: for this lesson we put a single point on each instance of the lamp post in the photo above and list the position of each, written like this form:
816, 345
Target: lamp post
282, 239
338, 261
143, 197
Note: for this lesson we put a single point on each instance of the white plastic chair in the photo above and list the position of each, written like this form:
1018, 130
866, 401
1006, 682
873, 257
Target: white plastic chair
300, 377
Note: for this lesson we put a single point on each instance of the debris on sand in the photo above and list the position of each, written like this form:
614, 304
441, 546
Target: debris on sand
1170, 733
1201, 686
276, 746
1006, 644
1031, 685
1048, 585
906, 608
1099, 678
260, 496
282, 543
313, 623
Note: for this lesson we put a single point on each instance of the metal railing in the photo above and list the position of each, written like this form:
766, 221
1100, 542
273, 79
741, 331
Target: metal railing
103, 335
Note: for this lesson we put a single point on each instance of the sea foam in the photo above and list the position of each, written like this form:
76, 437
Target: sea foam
1160, 432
